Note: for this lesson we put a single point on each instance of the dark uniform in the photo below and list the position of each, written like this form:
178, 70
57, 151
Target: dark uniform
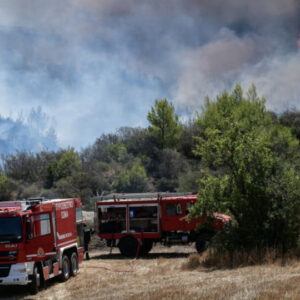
87, 238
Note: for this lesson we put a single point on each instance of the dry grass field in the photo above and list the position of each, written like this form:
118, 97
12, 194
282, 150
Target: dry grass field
167, 273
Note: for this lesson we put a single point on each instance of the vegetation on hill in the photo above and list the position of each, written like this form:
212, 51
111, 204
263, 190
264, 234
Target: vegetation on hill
240, 158
157, 158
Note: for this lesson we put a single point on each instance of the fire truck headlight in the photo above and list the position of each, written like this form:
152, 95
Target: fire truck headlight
19, 269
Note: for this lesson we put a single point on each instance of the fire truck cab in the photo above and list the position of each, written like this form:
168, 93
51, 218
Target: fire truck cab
40, 239
133, 222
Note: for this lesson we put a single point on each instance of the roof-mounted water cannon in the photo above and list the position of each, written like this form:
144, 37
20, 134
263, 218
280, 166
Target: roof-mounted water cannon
35, 200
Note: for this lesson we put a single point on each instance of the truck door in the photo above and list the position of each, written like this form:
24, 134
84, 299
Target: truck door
172, 214
41, 241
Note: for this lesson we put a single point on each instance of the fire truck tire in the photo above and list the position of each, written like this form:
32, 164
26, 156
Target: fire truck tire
202, 242
146, 247
129, 246
65, 271
74, 264
35, 284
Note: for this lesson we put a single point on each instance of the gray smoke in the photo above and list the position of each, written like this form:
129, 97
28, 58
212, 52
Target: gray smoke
96, 65
32, 134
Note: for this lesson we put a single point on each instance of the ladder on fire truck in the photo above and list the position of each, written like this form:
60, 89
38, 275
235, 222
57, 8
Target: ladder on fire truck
139, 196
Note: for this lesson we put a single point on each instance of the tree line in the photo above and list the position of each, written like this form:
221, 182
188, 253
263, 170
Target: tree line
241, 159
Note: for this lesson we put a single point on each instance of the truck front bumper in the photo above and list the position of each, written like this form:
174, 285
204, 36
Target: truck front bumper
18, 274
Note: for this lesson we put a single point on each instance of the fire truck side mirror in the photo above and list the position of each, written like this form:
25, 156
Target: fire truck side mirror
28, 229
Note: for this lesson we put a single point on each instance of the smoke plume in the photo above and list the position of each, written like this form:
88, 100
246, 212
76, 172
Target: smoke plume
32, 134
96, 65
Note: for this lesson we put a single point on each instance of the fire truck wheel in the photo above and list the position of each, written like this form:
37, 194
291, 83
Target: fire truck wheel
129, 246
74, 264
35, 284
202, 242
65, 274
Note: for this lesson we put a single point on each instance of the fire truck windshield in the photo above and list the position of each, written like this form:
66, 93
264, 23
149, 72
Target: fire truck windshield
10, 230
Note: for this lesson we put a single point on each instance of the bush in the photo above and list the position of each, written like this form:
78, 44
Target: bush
252, 172
242, 258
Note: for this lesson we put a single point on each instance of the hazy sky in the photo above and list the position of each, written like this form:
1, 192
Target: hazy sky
95, 65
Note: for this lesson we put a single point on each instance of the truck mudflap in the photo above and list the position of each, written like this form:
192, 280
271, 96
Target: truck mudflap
16, 274
55, 271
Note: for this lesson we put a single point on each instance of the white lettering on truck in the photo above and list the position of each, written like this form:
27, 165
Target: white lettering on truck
64, 236
64, 205
64, 214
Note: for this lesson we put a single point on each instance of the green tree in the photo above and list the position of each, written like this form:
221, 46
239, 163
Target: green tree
8, 188
186, 142
22, 166
169, 165
251, 171
164, 123
117, 151
132, 180
28, 167
291, 119
57, 169
3, 186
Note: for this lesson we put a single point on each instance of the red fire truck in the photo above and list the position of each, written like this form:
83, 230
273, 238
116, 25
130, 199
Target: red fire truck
133, 222
40, 239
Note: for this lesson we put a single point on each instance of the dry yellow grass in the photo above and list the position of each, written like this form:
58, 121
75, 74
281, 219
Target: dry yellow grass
165, 275
220, 260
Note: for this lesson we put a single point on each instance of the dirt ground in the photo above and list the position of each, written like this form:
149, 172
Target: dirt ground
161, 275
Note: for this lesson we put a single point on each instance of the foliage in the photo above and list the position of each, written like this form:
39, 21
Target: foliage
252, 174
131, 180
292, 120
187, 142
62, 167
3, 180
117, 151
7, 187
189, 180
3, 186
164, 123
32, 190
169, 165
166, 184
139, 141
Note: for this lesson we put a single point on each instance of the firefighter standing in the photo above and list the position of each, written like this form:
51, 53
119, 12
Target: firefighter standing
87, 238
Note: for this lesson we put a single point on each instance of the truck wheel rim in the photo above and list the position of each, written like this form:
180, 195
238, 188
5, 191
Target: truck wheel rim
66, 268
74, 264
37, 277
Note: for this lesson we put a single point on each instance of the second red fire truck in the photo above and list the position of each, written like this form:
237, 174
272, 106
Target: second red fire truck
133, 222
40, 239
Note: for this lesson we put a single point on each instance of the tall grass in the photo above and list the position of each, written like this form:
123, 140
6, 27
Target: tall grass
225, 259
